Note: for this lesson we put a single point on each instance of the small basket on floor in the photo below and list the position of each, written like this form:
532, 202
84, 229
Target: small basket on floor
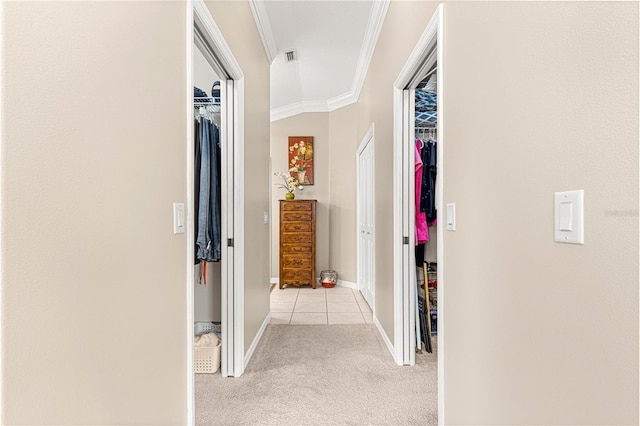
206, 358
328, 278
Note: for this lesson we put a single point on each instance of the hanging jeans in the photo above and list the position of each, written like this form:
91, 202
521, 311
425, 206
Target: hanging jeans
203, 239
215, 198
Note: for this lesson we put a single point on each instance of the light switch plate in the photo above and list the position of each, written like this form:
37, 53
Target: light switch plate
451, 216
178, 218
568, 224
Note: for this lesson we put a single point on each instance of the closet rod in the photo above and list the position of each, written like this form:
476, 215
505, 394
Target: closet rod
429, 73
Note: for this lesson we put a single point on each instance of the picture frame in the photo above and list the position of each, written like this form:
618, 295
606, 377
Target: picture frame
300, 155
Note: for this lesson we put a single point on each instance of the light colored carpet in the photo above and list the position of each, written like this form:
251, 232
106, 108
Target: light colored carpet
321, 375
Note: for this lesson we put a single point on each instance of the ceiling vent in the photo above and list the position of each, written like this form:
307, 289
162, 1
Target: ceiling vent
290, 55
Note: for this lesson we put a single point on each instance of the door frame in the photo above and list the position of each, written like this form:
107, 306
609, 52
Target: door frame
369, 138
198, 18
428, 50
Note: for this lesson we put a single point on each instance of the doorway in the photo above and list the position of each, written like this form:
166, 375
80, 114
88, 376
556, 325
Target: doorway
427, 53
365, 169
203, 33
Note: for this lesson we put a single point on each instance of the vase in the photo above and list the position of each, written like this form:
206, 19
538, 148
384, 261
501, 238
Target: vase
289, 196
301, 176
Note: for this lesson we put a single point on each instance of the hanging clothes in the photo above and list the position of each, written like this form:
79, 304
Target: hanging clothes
429, 157
422, 231
207, 185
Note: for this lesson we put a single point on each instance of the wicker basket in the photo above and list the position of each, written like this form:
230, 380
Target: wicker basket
206, 360
328, 278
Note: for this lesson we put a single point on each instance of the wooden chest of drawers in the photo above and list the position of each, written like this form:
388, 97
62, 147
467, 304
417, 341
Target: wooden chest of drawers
298, 242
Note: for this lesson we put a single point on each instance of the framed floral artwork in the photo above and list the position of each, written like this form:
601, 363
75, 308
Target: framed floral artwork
301, 158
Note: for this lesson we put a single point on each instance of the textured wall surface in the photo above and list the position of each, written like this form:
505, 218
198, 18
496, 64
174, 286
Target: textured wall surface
238, 27
541, 97
93, 155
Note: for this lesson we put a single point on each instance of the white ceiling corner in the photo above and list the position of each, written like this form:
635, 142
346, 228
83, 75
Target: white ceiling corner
335, 40
374, 27
263, 23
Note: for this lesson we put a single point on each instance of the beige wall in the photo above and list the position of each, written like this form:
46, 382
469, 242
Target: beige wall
316, 125
237, 25
343, 134
539, 332
93, 155
540, 97
403, 26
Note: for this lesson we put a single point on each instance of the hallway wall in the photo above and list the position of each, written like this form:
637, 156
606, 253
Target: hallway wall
235, 20
545, 101
540, 97
93, 155
310, 124
525, 102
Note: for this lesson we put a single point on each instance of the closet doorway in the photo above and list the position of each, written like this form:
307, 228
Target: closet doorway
205, 39
365, 172
425, 60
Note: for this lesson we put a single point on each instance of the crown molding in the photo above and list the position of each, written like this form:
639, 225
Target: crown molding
374, 27
343, 100
263, 23
298, 108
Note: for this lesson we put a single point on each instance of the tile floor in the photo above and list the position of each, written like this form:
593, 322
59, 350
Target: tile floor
304, 306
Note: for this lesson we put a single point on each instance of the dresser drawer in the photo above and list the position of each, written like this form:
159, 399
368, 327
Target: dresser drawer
296, 216
295, 248
296, 206
296, 237
296, 276
296, 261
296, 226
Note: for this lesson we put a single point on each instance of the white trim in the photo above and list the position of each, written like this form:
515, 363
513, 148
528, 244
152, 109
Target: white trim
298, 108
216, 40
190, 231
365, 141
398, 310
343, 100
385, 338
374, 27
369, 138
339, 283
372, 33
347, 284
263, 23
238, 228
428, 49
441, 229
232, 134
256, 340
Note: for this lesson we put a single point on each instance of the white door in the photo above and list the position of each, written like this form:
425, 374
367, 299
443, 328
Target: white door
365, 215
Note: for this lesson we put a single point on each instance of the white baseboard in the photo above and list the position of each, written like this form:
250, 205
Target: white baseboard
384, 337
256, 340
341, 283
347, 284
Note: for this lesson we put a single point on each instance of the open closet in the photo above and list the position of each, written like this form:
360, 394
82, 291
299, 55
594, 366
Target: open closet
426, 214
206, 215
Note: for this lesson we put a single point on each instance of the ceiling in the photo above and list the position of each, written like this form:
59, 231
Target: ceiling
333, 41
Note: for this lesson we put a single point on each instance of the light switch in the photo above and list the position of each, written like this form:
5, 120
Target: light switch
178, 218
566, 216
569, 217
451, 216
266, 217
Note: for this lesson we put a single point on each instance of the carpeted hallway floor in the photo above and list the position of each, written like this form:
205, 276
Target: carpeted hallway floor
321, 375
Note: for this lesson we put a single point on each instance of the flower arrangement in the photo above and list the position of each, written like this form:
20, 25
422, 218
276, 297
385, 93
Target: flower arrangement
302, 158
290, 184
